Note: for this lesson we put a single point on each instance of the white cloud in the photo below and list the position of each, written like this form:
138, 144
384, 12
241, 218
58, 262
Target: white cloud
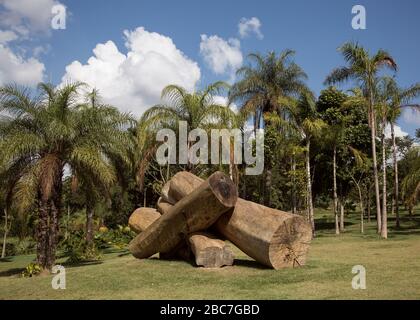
27, 16
411, 116
220, 55
17, 69
399, 133
222, 100
250, 26
134, 81
7, 36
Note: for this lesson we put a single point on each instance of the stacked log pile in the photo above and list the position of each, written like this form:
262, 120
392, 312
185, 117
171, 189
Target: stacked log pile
189, 206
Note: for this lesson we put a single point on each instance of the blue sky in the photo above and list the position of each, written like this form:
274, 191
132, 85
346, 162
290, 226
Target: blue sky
313, 28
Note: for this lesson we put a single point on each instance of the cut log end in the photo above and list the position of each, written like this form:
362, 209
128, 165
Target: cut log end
142, 218
290, 243
224, 189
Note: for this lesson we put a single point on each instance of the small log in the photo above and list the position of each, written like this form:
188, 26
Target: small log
163, 206
142, 218
209, 251
272, 237
195, 212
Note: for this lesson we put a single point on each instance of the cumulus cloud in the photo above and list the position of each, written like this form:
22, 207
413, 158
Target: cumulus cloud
27, 16
134, 81
7, 36
17, 69
399, 133
21, 20
411, 116
250, 26
221, 56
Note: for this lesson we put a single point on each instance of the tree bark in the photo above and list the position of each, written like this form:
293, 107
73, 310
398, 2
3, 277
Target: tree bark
272, 237
309, 188
375, 168
396, 184
6, 230
335, 197
89, 225
197, 211
384, 226
342, 215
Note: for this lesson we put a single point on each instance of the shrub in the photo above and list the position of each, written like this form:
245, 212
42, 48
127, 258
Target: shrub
31, 270
77, 250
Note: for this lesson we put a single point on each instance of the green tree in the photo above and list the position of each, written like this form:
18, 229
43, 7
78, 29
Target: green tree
364, 68
263, 82
46, 134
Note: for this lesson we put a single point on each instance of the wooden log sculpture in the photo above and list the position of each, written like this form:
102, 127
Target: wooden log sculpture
272, 237
195, 212
142, 218
209, 251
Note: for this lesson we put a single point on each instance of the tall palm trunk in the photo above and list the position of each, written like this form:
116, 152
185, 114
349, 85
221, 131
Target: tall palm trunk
342, 215
6, 231
337, 228
395, 164
294, 202
309, 187
384, 229
375, 167
48, 223
89, 225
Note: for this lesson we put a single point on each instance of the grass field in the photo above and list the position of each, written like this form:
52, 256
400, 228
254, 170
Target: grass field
392, 272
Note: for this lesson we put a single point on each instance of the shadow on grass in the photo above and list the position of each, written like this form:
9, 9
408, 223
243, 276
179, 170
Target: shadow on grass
250, 264
68, 264
7, 259
11, 272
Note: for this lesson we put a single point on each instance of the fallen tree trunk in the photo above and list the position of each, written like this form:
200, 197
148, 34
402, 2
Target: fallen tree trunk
195, 212
209, 251
272, 237
142, 218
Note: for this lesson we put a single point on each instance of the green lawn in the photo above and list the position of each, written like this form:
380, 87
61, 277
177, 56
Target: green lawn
392, 267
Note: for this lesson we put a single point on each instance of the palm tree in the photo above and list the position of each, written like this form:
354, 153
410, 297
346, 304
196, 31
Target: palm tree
197, 109
364, 68
411, 182
395, 100
45, 134
264, 81
306, 121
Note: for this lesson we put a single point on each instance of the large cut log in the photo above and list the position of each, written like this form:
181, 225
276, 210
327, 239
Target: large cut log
272, 237
142, 218
209, 251
195, 212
